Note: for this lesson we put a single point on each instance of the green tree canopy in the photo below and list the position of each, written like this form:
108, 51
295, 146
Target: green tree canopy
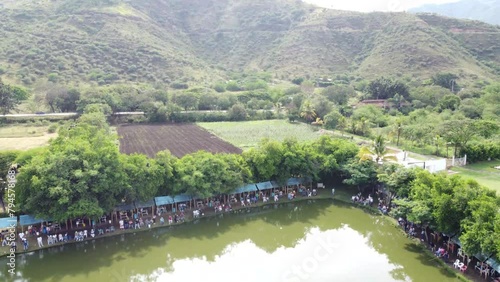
11, 97
79, 175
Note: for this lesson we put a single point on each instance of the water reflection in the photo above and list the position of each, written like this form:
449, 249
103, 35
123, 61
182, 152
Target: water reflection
319, 256
317, 240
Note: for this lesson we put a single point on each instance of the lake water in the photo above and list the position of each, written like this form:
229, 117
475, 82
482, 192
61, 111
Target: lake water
317, 240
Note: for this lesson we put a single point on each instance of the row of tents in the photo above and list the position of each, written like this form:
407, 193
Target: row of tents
183, 198
25, 220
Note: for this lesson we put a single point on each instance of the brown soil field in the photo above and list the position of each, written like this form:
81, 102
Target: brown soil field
179, 139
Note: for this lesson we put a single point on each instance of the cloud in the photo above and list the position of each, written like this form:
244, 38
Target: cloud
340, 253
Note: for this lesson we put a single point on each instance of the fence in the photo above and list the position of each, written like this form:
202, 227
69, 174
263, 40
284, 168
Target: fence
456, 161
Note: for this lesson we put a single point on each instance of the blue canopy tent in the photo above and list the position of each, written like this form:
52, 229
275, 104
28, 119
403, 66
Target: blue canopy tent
163, 201
245, 188
293, 181
144, 206
267, 185
125, 207
7, 222
299, 180
182, 198
494, 264
30, 220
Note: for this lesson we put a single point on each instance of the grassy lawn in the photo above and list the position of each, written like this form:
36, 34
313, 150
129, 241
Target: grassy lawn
247, 134
19, 131
23, 137
483, 172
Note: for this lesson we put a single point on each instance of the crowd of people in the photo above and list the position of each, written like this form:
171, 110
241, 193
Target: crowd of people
47, 235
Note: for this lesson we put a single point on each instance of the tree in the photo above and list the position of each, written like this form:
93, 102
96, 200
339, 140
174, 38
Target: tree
451, 102
486, 128
378, 151
360, 173
339, 94
237, 112
79, 175
331, 155
143, 178
471, 108
298, 80
397, 179
307, 111
383, 88
458, 132
332, 119
480, 229
208, 101
167, 163
220, 87
321, 106
371, 113
11, 97
187, 100
429, 95
398, 129
446, 80
264, 161
204, 174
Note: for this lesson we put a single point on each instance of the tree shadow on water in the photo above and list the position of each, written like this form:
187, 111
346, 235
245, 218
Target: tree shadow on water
108, 255
428, 259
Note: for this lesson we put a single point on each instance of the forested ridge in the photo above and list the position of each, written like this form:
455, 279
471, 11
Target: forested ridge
201, 41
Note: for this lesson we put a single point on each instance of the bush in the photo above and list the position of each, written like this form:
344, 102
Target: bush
477, 152
220, 87
52, 128
7, 158
179, 85
237, 113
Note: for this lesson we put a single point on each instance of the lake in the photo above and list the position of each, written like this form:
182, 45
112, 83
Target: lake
315, 240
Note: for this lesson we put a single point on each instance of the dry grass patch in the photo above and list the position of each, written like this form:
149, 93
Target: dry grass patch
25, 143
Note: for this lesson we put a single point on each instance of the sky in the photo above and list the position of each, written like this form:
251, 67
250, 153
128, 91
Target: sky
374, 5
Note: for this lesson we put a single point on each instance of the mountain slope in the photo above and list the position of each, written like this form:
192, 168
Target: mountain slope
200, 41
481, 10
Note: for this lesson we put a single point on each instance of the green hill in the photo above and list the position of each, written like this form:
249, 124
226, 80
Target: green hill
200, 41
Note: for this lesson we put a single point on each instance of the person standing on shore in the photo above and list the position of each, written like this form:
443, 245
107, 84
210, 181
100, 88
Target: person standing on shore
39, 240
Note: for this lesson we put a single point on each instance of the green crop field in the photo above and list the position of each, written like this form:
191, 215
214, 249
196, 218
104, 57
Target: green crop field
483, 172
247, 134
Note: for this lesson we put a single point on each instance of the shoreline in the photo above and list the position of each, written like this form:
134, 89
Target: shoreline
322, 195
34, 247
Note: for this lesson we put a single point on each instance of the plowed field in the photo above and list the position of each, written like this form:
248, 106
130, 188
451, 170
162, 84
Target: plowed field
180, 139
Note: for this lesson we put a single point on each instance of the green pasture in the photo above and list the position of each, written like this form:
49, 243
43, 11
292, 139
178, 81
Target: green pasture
483, 172
248, 134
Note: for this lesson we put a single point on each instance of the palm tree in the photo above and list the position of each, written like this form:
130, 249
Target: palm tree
307, 111
377, 152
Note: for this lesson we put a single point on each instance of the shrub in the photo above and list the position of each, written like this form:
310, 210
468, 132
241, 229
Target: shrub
477, 152
52, 128
237, 113
179, 85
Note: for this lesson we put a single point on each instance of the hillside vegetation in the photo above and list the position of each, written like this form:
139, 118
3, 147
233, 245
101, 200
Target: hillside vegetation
202, 41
